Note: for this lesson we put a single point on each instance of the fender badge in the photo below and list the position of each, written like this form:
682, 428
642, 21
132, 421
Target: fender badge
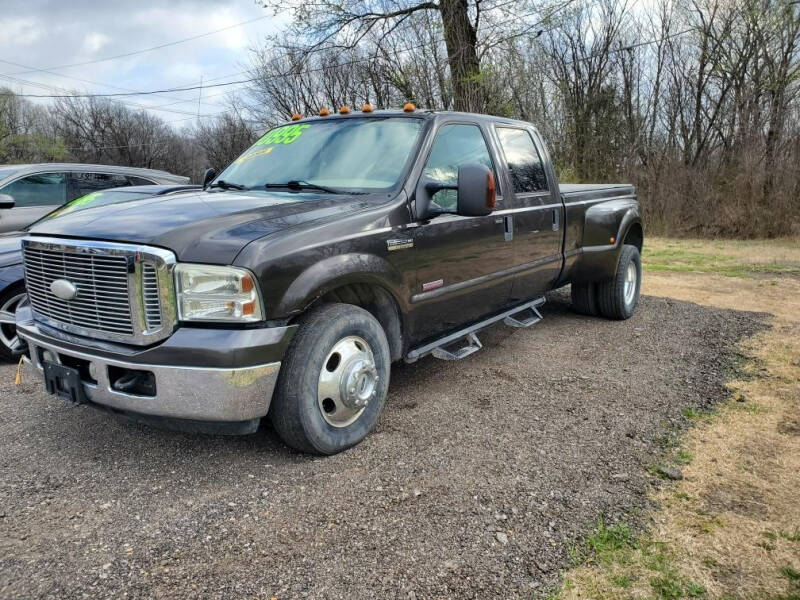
399, 244
432, 285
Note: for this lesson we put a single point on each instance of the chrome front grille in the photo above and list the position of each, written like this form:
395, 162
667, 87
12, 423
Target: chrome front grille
118, 292
102, 283
151, 298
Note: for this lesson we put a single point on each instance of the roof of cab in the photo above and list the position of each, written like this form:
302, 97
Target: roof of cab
83, 167
424, 113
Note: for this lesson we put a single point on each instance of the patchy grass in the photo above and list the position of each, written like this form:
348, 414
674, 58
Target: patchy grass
731, 528
731, 259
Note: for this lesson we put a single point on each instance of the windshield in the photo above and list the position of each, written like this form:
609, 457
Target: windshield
357, 154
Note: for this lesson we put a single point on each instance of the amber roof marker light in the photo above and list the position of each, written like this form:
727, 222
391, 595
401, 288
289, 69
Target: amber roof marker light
296, 117
367, 108
344, 110
324, 112
409, 107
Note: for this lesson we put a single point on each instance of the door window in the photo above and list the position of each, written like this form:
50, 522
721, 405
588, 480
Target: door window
139, 180
86, 183
42, 189
455, 145
524, 163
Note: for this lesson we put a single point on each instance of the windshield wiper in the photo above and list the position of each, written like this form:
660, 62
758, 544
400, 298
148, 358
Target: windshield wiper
225, 185
297, 185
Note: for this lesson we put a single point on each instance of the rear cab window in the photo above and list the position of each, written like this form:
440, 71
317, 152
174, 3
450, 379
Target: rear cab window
525, 166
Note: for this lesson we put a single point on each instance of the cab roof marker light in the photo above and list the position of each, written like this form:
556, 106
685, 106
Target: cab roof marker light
409, 107
367, 108
324, 112
296, 117
344, 110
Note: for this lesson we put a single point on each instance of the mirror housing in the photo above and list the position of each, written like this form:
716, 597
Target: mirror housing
7, 201
208, 177
476, 190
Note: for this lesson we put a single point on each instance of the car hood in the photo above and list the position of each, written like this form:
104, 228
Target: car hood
208, 226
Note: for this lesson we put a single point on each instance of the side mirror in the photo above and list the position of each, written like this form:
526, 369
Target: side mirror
7, 201
476, 190
208, 177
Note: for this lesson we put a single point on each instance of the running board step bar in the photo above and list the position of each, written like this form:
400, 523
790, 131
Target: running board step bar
470, 342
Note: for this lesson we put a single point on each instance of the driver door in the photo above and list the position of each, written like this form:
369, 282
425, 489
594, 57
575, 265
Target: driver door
460, 260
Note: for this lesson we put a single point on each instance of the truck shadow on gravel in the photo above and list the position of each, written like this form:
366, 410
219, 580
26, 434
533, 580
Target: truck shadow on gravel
479, 477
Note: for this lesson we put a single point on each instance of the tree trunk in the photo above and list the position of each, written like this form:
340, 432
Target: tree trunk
461, 40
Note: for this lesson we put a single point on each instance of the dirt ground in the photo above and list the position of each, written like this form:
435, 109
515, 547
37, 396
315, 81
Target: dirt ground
479, 478
731, 527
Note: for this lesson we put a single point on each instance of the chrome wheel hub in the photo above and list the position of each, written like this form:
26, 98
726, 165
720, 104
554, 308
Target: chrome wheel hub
347, 382
8, 327
631, 277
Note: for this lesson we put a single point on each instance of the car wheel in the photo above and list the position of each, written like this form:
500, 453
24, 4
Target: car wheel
333, 380
618, 297
11, 346
584, 298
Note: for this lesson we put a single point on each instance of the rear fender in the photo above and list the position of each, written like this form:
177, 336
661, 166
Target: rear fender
605, 229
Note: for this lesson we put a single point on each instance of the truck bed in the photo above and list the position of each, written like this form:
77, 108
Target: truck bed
574, 191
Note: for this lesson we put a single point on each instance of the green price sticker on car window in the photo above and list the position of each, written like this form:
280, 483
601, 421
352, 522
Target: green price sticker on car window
87, 199
283, 135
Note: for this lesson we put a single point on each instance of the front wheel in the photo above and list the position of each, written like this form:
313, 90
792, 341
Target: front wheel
11, 346
618, 297
333, 381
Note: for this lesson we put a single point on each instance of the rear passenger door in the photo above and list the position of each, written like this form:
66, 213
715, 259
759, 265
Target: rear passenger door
86, 183
460, 260
535, 210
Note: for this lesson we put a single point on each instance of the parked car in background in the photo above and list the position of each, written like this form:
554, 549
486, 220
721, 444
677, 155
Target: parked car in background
12, 292
12, 285
29, 192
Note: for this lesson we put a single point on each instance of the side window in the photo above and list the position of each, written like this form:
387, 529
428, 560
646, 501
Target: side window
524, 163
139, 180
455, 145
86, 183
42, 189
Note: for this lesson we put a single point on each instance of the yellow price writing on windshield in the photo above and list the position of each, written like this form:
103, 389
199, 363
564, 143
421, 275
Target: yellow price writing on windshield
283, 135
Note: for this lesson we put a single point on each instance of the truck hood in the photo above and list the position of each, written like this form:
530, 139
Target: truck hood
208, 226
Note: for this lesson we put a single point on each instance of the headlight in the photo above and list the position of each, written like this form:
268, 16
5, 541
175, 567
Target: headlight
214, 293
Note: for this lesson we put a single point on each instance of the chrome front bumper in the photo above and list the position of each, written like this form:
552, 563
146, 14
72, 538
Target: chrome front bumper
200, 394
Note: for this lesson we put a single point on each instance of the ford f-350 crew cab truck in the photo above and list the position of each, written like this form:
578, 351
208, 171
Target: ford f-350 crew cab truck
332, 247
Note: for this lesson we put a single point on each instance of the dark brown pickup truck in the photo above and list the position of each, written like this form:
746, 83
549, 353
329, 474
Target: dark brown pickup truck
331, 248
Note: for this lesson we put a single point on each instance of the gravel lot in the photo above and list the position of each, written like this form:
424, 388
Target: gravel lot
479, 476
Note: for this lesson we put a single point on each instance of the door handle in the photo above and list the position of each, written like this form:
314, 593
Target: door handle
508, 226
556, 218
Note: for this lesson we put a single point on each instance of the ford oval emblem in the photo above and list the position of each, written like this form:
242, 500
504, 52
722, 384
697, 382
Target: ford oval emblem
64, 289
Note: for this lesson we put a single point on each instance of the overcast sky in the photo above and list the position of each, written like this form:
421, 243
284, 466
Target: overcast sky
47, 34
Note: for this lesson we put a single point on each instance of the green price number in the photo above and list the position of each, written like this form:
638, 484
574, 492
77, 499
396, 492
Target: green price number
283, 135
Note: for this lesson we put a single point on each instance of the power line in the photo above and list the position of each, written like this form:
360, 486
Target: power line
143, 50
108, 85
45, 86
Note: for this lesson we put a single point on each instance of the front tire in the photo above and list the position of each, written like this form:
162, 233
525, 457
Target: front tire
618, 297
333, 381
